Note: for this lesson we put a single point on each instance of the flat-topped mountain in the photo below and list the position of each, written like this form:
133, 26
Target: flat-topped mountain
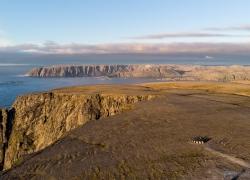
164, 71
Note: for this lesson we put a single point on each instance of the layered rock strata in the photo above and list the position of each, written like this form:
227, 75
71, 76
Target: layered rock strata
169, 72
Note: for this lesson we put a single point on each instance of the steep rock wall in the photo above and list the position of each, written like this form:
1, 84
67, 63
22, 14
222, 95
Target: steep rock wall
6, 117
152, 71
41, 119
169, 72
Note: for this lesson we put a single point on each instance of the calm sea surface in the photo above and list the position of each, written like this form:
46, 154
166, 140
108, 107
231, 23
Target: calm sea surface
13, 83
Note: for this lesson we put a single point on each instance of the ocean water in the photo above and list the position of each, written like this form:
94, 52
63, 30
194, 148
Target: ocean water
13, 83
13, 67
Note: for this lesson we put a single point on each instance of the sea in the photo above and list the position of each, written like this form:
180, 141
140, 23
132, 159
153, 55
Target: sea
13, 67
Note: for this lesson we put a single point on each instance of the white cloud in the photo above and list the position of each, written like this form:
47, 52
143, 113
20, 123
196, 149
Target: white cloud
196, 45
245, 27
188, 35
211, 32
159, 48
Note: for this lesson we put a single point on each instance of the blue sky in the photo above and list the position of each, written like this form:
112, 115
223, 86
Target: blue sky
129, 21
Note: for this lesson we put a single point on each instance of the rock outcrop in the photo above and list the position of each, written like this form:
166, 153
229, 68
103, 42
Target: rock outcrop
6, 117
3, 122
41, 119
169, 72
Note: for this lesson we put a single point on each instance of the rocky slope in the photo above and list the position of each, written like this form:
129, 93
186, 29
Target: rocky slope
41, 119
170, 72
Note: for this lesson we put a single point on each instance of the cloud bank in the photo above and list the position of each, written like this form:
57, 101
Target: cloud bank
211, 32
188, 35
230, 28
122, 48
211, 45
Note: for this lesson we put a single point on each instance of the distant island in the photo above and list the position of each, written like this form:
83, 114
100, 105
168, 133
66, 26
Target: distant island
163, 71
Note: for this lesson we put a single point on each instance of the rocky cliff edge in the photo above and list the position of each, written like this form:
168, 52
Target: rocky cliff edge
38, 120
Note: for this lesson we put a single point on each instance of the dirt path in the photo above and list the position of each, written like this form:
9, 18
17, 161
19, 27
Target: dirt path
228, 157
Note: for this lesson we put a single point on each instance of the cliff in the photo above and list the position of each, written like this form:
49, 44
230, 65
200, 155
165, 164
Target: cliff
169, 72
6, 119
41, 119
3, 123
150, 141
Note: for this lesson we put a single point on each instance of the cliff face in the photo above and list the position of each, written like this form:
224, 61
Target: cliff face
3, 122
78, 71
170, 72
104, 70
41, 119
6, 117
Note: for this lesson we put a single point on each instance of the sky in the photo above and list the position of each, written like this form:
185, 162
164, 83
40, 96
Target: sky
112, 26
